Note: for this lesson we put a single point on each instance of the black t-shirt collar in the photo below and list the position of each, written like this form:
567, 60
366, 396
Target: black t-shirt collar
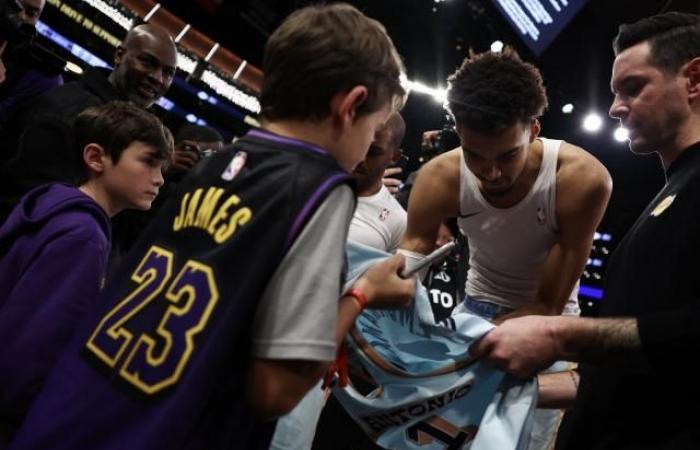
687, 158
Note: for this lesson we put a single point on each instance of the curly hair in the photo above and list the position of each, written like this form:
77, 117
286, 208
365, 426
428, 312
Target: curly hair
674, 39
492, 91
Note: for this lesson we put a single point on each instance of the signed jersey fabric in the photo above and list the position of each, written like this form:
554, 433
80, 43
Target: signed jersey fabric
163, 363
430, 394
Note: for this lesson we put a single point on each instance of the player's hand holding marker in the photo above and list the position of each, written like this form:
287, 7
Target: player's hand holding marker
383, 285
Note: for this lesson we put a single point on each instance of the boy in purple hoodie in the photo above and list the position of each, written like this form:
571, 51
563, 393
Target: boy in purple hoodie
55, 243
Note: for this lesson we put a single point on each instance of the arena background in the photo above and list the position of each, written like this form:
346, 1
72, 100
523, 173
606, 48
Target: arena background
221, 46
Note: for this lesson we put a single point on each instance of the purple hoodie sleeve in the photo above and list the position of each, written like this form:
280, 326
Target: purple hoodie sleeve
47, 305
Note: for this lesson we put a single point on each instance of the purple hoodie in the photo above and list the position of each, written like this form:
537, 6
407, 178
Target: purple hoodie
53, 253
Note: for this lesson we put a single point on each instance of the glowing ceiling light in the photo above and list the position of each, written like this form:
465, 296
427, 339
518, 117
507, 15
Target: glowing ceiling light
593, 123
230, 92
621, 134
150, 13
439, 94
497, 46
211, 52
165, 103
185, 63
111, 12
182, 33
568, 108
240, 69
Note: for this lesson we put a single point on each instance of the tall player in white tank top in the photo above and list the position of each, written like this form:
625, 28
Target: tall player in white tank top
529, 206
509, 246
530, 227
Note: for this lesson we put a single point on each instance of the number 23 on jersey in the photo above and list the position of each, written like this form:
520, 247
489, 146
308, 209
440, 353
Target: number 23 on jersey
150, 335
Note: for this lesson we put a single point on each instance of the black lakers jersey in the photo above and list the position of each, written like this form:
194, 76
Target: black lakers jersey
164, 362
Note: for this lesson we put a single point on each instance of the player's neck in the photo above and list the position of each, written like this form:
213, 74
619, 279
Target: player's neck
323, 133
370, 190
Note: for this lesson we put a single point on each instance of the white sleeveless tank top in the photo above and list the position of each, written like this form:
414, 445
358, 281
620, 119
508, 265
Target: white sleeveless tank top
508, 246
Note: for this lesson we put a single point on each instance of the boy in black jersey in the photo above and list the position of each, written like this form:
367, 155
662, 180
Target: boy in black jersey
225, 313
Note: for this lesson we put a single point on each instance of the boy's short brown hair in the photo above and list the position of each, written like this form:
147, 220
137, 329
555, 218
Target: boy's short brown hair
322, 50
115, 126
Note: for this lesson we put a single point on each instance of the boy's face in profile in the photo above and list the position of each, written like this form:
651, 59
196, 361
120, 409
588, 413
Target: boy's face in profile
133, 182
359, 137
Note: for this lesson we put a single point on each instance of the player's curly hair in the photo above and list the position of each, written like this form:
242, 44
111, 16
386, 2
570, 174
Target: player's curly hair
492, 91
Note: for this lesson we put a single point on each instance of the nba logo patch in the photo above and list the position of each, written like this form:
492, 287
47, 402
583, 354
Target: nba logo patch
384, 214
541, 216
663, 205
234, 166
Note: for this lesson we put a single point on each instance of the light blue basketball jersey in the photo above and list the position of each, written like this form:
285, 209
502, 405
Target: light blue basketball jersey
430, 394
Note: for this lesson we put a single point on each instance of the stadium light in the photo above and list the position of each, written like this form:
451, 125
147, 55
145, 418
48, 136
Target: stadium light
593, 123
621, 134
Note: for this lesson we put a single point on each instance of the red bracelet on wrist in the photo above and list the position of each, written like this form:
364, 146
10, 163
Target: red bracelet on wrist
359, 296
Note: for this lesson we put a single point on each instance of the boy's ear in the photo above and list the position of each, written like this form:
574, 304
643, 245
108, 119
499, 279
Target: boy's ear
344, 105
692, 72
94, 157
